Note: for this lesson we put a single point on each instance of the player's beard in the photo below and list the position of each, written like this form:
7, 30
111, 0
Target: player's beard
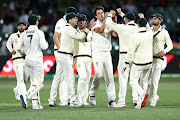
155, 24
21, 30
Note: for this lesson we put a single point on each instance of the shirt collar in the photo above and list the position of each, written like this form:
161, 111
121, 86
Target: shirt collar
98, 22
160, 28
141, 29
131, 22
33, 26
64, 17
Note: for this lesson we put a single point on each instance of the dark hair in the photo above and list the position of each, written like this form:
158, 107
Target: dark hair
142, 25
98, 8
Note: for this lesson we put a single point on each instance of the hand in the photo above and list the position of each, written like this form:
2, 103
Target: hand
114, 19
162, 53
119, 10
13, 52
141, 15
91, 24
113, 13
106, 14
124, 69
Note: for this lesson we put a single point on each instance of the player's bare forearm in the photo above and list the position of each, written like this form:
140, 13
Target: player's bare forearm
56, 39
113, 33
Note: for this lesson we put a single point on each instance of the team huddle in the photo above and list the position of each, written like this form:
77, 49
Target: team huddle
141, 51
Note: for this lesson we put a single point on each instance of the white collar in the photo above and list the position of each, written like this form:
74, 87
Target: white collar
131, 22
33, 26
160, 28
141, 29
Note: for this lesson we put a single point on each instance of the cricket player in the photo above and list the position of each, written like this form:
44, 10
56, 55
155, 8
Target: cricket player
125, 32
140, 54
101, 47
63, 92
82, 59
18, 60
65, 52
160, 38
34, 41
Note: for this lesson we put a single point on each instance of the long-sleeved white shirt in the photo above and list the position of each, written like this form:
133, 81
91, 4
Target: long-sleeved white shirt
68, 36
12, 44
159, 41
82, 52
101, 41
124, 32
140, 50
34, 41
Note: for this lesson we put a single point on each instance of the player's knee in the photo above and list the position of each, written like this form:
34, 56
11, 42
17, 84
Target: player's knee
98, 75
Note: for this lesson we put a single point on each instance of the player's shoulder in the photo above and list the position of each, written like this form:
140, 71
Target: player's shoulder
164, 30
61, 21
13, 34
67, 28
39, 31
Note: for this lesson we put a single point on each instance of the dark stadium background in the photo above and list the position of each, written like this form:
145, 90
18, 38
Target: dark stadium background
11, 11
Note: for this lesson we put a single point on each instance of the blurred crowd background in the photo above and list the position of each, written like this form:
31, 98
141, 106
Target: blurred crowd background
12, 11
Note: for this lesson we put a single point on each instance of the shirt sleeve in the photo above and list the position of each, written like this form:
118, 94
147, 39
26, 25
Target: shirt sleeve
59, 27
20, 43
112, 25
43, 43
80, 36
168, 43
122, 14
9, 44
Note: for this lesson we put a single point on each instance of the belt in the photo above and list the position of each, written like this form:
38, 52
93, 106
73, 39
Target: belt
65, 53
158, 57
19, 58
55, 49
142, 64
123, 52
82, 56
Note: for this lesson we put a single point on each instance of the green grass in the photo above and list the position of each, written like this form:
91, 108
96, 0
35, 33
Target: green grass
168, 106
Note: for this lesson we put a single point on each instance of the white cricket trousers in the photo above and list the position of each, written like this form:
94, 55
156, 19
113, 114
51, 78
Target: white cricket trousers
154, 81
59, 81
36, 72
135, 76
123, 81
84, 72
67, 69
103, 65
21, 75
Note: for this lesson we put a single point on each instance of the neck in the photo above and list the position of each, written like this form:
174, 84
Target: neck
72, 25
101, 21
82, 29
156, 27
20, 32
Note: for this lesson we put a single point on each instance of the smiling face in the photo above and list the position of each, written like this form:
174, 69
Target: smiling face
156, 21
73, 21
100, 15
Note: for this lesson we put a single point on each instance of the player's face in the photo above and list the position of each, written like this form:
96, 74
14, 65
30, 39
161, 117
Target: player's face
100, 15
21, 27
156, 21
82, 23
74, 21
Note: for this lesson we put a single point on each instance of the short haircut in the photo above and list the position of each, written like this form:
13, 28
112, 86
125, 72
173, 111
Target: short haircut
142, 25
98, 8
